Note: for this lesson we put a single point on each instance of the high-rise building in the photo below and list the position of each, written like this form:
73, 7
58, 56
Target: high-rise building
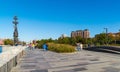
82, 33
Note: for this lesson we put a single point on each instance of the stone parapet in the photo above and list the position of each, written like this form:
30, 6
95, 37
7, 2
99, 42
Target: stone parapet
10, 57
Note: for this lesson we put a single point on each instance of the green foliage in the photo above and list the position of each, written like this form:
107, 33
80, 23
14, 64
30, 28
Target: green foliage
72, 41
41, 42
23, 43
61, 48
65, 40
90, 41
118, 36
104, 39
8, 42
78, 39
101, 38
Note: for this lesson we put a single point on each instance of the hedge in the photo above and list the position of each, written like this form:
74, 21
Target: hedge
61, 48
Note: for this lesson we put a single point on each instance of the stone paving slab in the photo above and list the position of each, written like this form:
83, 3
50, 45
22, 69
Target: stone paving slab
83, 61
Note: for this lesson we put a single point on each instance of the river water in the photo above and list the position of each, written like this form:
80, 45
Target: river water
0, 49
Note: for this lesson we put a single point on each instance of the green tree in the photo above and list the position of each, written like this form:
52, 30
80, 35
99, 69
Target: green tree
78, 39
118, 37
23, 43
72, 41
65, 40
8, 42
90, 41
41, 42
111, 38
101, 39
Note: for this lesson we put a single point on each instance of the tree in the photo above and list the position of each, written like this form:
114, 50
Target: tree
72, 41
111, 38
23, 43
41, 42
78, 39
8, 42
65, 40
101, 38
90, 41
118, 36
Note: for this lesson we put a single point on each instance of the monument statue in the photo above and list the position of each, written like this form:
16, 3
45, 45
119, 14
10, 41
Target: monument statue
15, 34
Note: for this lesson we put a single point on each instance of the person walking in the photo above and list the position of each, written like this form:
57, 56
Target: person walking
78, 46
30, 46
33, 46
81, 46
44, 47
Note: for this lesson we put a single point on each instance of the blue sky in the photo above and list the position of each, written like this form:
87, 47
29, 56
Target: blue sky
41, 19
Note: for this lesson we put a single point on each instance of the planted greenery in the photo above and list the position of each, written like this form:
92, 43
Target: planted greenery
61, 48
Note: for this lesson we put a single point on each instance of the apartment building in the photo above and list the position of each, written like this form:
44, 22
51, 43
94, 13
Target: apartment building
82, 33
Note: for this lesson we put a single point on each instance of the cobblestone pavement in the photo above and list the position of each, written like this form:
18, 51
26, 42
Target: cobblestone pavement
83, 61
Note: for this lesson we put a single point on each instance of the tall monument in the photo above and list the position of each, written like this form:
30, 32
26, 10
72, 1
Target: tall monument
15, 34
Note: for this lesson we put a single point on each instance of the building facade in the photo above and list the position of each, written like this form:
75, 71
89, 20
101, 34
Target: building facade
82, 33
1, 42
115, 35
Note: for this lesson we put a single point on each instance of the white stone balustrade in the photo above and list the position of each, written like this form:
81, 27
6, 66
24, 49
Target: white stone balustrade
10, 56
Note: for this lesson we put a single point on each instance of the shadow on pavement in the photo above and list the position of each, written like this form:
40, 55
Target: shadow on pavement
105, 49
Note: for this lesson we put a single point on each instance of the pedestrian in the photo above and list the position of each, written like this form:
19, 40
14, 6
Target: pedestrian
30, 46
33, 46
81, 46
44, 47
78, 46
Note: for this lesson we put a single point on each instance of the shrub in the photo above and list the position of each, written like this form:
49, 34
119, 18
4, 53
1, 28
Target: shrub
61, 48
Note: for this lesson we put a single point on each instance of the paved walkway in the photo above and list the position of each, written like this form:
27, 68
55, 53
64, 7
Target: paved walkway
84, 61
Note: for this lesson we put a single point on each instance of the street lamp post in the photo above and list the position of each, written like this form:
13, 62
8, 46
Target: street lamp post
106, 29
